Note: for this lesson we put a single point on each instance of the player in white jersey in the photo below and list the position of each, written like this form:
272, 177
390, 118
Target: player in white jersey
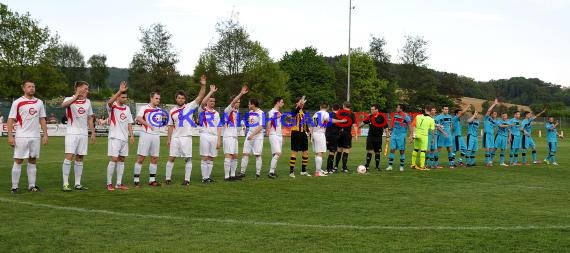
253, 143
321, 120
79, 118
275, 134
230, 132
26, 116
120, 132
180, 127
210, 135
151, 117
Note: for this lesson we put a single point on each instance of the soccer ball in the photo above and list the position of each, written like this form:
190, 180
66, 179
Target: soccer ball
361, 169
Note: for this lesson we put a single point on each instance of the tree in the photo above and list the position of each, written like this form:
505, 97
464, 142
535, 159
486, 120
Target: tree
366, 89
235, 59
414, 51
310, 75
378, 50
154, 65
71, 63
98, 70
27, 51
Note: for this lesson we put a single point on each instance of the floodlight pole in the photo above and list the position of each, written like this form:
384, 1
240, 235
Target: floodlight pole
349, 30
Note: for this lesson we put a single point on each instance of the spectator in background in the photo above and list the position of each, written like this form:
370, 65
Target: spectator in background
52, 119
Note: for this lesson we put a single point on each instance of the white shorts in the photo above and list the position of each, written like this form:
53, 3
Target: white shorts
26, 148
181, 146
231, 145
116, 148
76, 144
275, 141
319, 143
254, 146
149, 145
208, 144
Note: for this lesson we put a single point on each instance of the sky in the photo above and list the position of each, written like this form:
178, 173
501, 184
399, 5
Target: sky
485, 39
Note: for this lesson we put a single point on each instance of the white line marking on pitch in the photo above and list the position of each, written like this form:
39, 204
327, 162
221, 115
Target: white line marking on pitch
286, 224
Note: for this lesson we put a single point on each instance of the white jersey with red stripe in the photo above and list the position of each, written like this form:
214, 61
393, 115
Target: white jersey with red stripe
274, 121
321, 120
78, 113
155, 113
231, 122
255, 120
27, 114
209, 120
182, 127
120, 118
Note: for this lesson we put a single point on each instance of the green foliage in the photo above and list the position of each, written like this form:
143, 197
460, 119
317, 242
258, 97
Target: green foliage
414, 51
153, 67
98, 71
366, 88
71, 63
378, 50
116, 75
27, 51
310, 76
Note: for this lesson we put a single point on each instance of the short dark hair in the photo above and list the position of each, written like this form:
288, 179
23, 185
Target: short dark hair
79, 84
346, 104
324, 105
456, 111
27, 81
525, 113
254, 102
375, 106
180, 93
276, 100
402, 107
335, 106
155, 92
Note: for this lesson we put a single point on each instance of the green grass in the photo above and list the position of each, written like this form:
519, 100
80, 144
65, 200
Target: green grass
516, 209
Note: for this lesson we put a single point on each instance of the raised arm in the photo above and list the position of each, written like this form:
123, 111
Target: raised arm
202, 90
67, 103
243, 91
122, 89
496, 102
538, 115
473, 117
213, 89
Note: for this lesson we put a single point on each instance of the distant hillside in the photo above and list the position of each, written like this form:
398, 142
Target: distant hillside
116, 75
465, 102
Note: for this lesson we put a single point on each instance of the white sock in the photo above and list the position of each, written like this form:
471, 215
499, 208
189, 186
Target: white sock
204, 168
244, 161
169, 166
188, 170
78, 169
65, 169
32, 174
210, 168
120, 171
227, 165
16, 172
273, 163
110, 171
138, 168
152, 171
258, 165
318, 163
233, 167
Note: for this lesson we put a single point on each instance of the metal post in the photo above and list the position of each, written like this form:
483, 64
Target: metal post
349, 24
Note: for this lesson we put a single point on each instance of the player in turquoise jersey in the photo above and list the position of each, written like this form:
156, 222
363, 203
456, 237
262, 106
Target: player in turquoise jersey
488, 140
472, 138
501, 139
444, 139
516, 129
397, 132
527, 141
457, 132
551, 137
432, 141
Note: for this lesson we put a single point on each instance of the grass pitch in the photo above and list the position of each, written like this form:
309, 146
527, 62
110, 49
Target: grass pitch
480, 209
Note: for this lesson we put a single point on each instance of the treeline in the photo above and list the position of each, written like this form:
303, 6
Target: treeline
30, 51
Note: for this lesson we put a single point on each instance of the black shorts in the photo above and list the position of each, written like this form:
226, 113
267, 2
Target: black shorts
345, 140
299, 141
332, 142
374, 143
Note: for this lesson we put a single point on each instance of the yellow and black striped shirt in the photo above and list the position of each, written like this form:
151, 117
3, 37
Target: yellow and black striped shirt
300, 124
